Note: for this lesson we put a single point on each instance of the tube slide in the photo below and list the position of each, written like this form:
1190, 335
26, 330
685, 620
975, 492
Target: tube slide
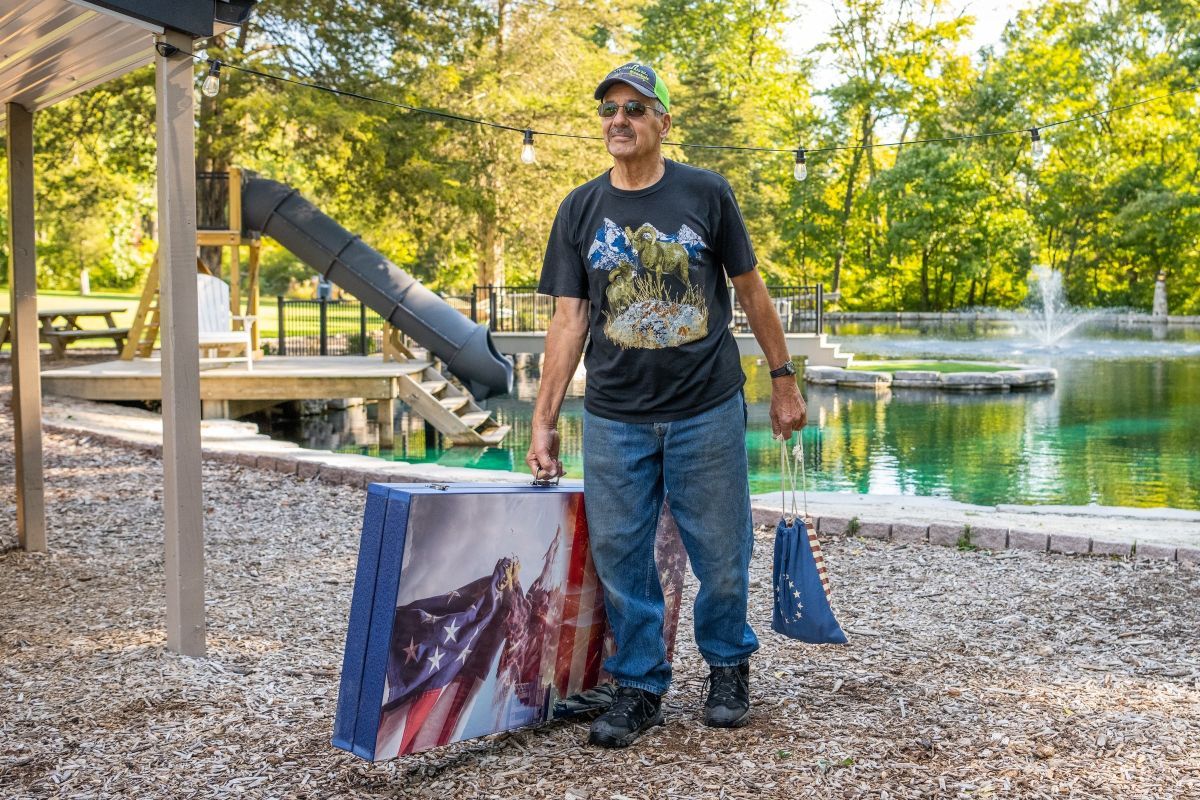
465, 347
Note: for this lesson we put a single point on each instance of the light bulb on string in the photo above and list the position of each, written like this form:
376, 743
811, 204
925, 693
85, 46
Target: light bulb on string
800, 172
1038, 149
212, 81
528, 155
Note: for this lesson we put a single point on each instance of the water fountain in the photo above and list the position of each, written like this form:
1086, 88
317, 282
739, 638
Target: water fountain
1053, 319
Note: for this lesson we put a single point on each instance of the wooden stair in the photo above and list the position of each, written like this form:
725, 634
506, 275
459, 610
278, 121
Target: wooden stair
143, 333
447, 407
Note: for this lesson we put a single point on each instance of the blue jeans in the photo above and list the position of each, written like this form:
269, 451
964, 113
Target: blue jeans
700, 463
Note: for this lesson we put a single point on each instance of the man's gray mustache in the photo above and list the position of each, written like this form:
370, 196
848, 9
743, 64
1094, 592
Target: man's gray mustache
620, 132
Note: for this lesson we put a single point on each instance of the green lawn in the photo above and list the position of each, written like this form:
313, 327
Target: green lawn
927, 366
126, 301
126, 304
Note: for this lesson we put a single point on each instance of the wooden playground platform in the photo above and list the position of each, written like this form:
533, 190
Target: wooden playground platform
230, 391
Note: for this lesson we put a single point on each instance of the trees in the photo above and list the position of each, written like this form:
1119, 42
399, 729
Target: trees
934, 226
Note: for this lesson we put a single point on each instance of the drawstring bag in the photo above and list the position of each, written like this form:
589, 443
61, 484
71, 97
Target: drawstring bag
802, 609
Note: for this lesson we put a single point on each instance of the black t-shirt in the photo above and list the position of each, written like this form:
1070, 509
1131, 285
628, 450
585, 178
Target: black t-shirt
653, 262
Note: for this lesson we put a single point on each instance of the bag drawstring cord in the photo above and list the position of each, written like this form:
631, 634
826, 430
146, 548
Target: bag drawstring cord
787, 475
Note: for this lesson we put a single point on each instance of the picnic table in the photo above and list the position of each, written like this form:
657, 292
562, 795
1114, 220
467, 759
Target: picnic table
61, 326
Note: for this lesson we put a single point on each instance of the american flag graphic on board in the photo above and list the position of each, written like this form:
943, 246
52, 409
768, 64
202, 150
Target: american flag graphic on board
581, 634
489, 655
441, 650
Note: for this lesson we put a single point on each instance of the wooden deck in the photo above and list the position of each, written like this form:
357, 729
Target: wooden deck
273, 378
231, 391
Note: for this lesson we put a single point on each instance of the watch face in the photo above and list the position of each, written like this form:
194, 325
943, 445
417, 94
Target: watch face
788, 368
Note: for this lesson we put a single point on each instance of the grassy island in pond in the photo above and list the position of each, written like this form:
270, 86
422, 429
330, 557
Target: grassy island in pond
945, 367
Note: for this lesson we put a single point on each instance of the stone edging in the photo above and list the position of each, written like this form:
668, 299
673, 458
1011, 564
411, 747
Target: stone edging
971, 316
1016, 378
980, 538
966, 536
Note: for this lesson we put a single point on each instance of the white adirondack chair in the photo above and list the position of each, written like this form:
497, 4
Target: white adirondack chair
216, 324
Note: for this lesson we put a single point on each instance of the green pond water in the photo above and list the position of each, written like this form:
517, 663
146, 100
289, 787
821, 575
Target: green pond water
1121, 427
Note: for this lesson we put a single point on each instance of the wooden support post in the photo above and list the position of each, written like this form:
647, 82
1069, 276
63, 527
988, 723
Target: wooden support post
141, 319
26, 366
252, 293
235, 284
387, 423
215, 409
235, 249
393, 345
182, 489
235, 200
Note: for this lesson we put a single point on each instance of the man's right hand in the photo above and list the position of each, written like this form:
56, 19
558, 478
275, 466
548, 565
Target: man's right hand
542, 457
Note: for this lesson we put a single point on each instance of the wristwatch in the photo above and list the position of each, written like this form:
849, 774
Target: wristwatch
788, 368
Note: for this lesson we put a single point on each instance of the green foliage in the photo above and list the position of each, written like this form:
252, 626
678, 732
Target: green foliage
932, 226
964, 541
280, 272
354, 343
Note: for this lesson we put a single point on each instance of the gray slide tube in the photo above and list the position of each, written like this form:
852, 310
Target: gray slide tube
464, 346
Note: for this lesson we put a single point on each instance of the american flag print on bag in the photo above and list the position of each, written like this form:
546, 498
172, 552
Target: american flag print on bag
802, 600
801, 608
476, 609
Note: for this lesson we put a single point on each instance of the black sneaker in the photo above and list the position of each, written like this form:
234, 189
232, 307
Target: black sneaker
728, 702
632, 712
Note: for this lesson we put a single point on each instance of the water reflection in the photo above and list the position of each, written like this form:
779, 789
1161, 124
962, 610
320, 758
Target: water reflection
1113, 431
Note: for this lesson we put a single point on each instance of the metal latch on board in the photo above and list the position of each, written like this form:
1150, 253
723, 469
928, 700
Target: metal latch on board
539, 481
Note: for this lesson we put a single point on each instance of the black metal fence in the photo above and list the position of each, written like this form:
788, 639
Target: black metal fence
511, 308
327, 328
347, 327
800, 308
521, 308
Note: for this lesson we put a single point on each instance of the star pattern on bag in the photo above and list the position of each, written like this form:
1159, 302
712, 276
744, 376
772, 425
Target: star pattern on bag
784, 578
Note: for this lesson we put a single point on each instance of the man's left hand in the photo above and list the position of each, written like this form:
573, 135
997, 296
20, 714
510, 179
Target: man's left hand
788, 411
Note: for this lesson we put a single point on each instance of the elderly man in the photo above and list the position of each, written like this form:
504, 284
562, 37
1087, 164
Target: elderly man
638, 258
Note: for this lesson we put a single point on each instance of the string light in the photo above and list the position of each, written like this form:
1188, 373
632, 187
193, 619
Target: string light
800, 172
212, 81
1038, 149
527, 154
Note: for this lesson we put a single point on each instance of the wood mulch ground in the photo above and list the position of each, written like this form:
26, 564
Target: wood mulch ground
968, 674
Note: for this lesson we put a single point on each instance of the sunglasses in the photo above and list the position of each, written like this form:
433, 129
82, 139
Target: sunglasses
633, 108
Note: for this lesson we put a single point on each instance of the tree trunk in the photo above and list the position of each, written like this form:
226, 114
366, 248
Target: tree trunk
213, 155
489, 269
848, 203
924, 280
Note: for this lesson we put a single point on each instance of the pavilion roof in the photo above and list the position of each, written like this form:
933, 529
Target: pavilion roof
53, 49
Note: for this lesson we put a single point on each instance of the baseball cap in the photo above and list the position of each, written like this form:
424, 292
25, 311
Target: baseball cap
640, 77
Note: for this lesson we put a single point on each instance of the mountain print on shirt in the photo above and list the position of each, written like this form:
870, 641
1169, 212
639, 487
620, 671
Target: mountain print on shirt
652, 302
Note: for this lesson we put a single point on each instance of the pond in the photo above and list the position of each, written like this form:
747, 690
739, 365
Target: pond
1121, 427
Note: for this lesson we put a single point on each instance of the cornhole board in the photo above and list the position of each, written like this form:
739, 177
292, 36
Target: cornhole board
476, 609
